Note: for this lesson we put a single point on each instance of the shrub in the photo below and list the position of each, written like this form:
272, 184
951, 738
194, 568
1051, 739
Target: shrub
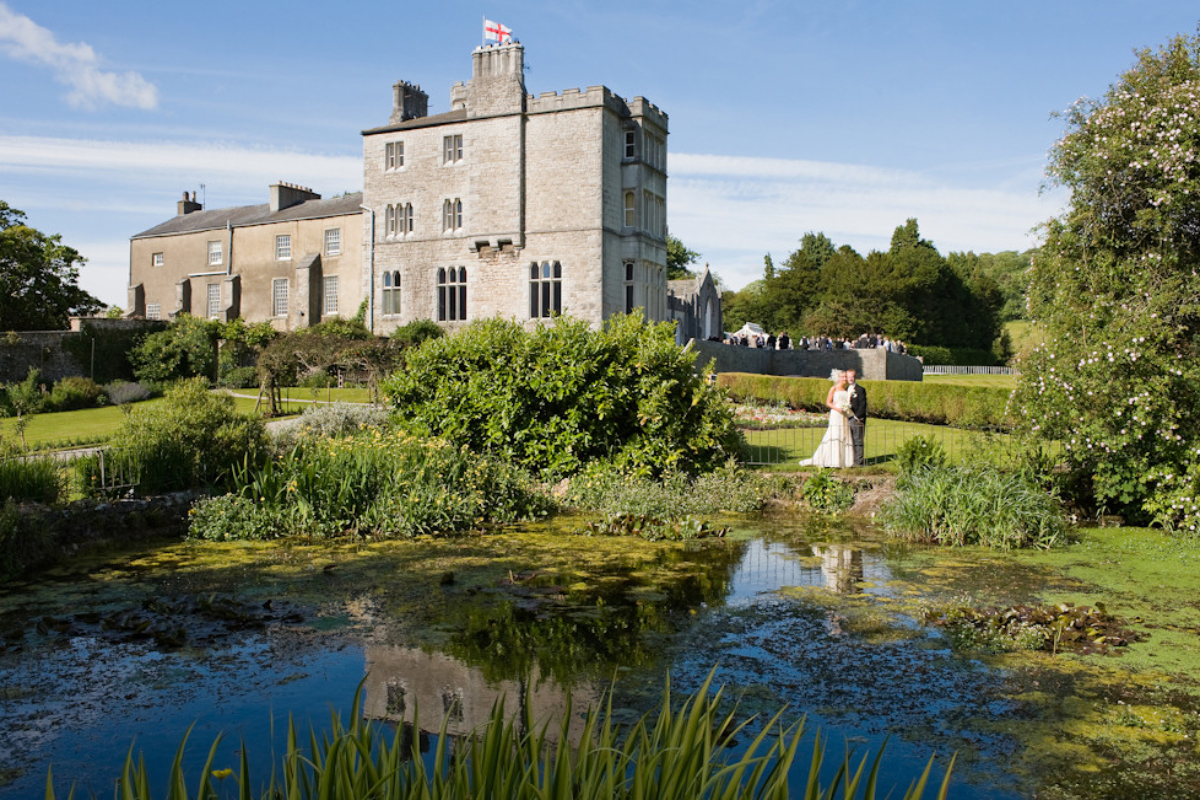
231, 517
193, 438
417, 332
825, 492
602, 487
341, 419
187, 349
968, 505
36, 479
918, 452
25, 539
240, 378
121, 392
372, 484
913, 401
73, 393
955, 356
560, 395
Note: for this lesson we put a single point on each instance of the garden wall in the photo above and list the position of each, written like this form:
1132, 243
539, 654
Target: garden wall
46, 352
872, 365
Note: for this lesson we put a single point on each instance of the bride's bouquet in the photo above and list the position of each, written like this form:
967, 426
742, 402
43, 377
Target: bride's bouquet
844, 407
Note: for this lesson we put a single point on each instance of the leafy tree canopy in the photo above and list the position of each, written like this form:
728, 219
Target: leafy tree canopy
678, 259
1115, 288
39, 277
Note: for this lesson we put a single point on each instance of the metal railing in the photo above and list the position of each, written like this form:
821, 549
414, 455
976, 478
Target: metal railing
943, 369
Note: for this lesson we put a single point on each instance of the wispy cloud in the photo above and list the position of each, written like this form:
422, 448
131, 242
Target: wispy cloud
76, 65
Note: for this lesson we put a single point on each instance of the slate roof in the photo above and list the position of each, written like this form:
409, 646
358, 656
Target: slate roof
445, 118
244, 216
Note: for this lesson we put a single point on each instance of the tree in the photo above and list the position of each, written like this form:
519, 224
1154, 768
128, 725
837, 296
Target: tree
1114, 286
187, 349
678, 259
39, 277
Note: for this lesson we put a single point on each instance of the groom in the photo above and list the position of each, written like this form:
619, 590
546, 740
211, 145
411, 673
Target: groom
858, 415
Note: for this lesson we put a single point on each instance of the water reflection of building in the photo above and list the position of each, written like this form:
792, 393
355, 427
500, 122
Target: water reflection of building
841, 566
403, 681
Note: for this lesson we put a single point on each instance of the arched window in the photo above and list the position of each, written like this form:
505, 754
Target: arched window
452, 293
545, 289
389, 221
458, 217
407, 225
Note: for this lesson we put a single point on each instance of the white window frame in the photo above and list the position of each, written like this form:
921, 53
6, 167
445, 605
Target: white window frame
212, 306
393, 158
215, 256
333, 241
153, 311
283, 247
279, 297
157, 259
452, 148
329, 295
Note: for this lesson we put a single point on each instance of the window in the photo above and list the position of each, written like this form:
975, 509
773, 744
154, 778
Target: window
152, 311
283, 247
545, 289
452, 149
391, 292
452, 293
279, 297
628, 287
156, 260
214, 253
630, 209
389, 221
329, 293
333, 242
214, 300
630, 144
452, 215
406, 224
393, 155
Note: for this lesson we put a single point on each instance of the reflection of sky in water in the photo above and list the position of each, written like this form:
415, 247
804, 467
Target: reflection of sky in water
772, 649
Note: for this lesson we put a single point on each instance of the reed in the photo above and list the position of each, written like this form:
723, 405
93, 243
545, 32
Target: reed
683, 750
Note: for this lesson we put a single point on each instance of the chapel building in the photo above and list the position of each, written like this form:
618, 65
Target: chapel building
513, 205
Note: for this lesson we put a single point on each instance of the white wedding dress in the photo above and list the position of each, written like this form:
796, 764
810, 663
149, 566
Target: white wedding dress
836, 448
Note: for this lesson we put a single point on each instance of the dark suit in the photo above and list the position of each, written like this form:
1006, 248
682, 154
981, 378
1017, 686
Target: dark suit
858, 420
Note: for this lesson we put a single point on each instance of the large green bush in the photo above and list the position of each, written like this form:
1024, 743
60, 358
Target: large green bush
560, 395
193, 438
912, 401
187, 349
954, 356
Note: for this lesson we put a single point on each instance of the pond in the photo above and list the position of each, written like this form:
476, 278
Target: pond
816, 616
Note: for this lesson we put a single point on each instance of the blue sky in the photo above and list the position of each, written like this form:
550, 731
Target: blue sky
785, 117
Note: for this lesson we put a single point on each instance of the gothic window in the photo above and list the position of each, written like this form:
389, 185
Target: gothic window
452, 293
389, 221
391, 292
406, 224
452, 215
545, 289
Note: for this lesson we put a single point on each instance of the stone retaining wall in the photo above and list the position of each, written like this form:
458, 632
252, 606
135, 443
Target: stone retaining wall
872, 365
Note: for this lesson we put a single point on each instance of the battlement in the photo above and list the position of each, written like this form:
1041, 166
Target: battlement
592, 97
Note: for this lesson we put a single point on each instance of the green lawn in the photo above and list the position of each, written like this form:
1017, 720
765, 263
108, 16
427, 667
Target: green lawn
986, 381
95, 425
782, 448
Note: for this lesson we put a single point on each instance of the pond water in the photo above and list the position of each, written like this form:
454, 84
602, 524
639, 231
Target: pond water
236, 637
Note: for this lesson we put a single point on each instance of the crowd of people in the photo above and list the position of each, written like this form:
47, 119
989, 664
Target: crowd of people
769, 341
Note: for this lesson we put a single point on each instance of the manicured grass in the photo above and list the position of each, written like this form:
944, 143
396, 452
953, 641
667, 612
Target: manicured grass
95, 425
782, 448
974, 381
1024, 334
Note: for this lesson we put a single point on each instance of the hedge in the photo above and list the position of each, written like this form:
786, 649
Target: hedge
911, 401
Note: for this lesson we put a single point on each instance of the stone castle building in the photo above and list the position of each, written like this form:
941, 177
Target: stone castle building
514, 205
507, 205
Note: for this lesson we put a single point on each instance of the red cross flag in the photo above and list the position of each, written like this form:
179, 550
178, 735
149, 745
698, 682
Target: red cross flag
495, 32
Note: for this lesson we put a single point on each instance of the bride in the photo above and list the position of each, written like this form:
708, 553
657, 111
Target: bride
836, 448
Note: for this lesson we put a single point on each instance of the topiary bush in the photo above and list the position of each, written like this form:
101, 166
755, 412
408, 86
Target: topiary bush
556, 396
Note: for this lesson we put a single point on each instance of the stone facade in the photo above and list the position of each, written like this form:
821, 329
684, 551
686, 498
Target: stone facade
695, 306
295, 261
875, 364
513, 205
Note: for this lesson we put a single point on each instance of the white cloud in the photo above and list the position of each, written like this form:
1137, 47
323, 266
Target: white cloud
734, 210
76, 65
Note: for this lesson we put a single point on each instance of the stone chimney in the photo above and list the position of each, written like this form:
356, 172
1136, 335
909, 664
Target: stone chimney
286, 195
408, 102
187, 205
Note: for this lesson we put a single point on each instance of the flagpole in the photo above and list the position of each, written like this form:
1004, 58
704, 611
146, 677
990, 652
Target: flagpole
483, 32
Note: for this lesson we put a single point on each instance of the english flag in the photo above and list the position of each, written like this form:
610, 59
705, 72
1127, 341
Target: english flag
495, 32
